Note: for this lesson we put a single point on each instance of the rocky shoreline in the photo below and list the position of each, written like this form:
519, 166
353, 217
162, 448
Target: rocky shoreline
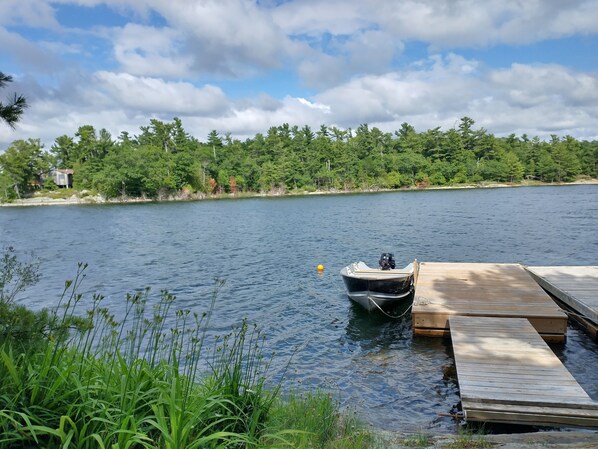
98, 199
535, 440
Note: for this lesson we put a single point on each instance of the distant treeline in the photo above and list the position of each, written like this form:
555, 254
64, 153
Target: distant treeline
164, 159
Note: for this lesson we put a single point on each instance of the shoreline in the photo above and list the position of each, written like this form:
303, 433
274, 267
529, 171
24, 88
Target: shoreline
552, 439
100, 200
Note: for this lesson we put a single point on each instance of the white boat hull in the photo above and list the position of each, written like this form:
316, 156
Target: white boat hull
378, 289
375, 301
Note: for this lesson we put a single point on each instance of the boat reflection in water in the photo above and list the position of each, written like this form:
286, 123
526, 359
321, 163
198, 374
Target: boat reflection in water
379, 288
379, 330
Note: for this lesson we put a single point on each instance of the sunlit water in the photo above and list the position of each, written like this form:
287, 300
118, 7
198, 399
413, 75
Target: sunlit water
267, 250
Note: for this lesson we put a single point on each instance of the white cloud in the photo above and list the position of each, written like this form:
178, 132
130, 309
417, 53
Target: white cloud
443, 23
345, 50
537, 100
528, 86
532, 99
26, 54
146, 50
115, 101
232, 37
365, 52
263, 101
317, 106
372, 51
441, 85
247, 122
314, 17
152, 96
33, 13
321, 70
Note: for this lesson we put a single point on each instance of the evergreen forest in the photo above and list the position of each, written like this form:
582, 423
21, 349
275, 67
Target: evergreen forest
164, 160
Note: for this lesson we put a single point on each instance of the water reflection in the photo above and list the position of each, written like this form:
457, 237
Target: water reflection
412, 379
373, 329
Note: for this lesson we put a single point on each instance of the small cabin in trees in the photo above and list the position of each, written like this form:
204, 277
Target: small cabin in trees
63, 177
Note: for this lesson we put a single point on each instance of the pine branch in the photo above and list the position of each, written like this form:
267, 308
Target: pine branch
4, 79
11, 113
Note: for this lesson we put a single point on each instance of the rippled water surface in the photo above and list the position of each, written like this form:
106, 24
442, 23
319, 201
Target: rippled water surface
267, 250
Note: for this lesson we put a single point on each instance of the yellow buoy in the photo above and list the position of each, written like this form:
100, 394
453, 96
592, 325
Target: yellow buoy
320, 267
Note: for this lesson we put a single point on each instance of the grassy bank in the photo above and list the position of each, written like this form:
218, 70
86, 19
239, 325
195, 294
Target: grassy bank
78, 377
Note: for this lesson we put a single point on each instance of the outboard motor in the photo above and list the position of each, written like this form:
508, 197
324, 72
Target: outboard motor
387, 261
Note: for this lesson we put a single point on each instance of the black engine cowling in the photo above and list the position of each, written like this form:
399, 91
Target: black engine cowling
387, 261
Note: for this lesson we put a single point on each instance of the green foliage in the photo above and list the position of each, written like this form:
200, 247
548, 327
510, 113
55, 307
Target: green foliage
10, 113
22, 166
513, 168
588, 158
59, 193
470, 439
318, 422
21, 328
16, 275
86, 380
101, 385
437, 179
393, 180
164, 160
420, 439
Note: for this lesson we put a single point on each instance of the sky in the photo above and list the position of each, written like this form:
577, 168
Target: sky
243, 66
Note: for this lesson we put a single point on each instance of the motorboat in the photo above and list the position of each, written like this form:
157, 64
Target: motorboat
379, 288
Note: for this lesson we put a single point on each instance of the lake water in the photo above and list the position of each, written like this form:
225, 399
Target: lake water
268, 249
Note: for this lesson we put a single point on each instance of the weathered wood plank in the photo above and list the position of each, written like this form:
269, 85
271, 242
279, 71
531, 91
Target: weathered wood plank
531, 418
444, 290
441, 321
445, 333
490, 367
577, 411
515, 378
507, 382
575, 286
549, 393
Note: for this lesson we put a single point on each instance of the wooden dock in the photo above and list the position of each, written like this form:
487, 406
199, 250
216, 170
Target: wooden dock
508, 374
576, 288
444, 290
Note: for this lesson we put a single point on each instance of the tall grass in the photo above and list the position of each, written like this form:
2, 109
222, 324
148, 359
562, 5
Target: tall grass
318, 421
94, 381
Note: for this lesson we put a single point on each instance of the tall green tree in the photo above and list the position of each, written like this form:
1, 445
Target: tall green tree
89, 153
158, 134
588, 157
23, 164
434, 147
408, 139
564, 154
468, 137
513, 167
164, 159
63, 150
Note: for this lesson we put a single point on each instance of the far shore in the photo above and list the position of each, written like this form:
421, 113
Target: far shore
78, 199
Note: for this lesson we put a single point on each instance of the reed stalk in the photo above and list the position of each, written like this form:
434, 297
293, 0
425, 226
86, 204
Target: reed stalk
91, 381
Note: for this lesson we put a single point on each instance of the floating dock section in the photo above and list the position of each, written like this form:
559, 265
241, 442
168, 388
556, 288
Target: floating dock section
508, 374
576, 288
445, 290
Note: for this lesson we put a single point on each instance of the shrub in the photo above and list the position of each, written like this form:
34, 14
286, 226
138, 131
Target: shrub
15, 275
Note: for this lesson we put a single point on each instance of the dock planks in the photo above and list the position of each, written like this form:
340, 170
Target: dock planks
508, 374
444, 290
576, 287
